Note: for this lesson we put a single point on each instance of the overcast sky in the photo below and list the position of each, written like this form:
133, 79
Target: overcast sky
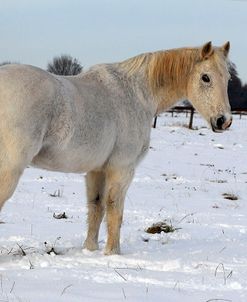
97, 31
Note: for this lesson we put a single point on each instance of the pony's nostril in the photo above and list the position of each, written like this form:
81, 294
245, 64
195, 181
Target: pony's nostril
220, 122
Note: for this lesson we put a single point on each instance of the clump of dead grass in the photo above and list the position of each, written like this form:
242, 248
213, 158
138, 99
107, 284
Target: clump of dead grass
230, 196
162, 226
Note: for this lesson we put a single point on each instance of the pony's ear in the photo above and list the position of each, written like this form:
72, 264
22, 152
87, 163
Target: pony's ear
206, 51
226, 48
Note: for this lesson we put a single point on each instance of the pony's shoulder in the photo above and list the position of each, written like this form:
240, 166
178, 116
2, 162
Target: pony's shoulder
99, 72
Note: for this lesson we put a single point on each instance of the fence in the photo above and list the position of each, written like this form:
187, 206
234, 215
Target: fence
190, 110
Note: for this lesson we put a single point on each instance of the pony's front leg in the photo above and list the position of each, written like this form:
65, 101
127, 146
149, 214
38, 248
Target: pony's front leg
117, 183
96, 208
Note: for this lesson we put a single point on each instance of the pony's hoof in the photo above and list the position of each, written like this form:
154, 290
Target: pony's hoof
112, 251
91, 246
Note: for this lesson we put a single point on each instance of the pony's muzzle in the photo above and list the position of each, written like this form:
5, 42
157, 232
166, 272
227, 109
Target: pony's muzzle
221, 123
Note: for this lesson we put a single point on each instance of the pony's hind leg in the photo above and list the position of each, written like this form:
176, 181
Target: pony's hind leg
9, 177
14, 157
117, 183
96, 208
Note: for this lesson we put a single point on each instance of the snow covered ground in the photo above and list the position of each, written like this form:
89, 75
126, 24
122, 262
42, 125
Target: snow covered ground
182, 182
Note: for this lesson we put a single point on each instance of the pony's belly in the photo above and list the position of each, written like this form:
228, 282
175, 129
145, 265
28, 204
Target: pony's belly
64, 162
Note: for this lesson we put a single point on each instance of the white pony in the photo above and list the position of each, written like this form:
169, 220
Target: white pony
99, 122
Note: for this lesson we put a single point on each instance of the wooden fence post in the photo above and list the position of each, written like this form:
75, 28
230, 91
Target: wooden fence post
191, 117
155, 121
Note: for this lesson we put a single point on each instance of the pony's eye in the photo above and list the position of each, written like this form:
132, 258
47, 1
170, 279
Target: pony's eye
205, 78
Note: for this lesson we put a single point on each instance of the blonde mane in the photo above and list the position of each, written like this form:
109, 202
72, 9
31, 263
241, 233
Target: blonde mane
170, 67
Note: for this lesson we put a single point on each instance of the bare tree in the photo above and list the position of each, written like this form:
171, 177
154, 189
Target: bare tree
64, 65
236, 90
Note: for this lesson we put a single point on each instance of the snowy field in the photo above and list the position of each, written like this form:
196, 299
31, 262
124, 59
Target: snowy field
181, 182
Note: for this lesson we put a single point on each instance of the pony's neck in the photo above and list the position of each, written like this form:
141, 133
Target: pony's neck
164, 74
168, 97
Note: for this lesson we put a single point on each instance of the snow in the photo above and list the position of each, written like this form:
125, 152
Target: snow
181, 181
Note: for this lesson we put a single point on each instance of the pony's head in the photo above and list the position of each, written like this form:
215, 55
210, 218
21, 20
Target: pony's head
207, 86
198, 74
